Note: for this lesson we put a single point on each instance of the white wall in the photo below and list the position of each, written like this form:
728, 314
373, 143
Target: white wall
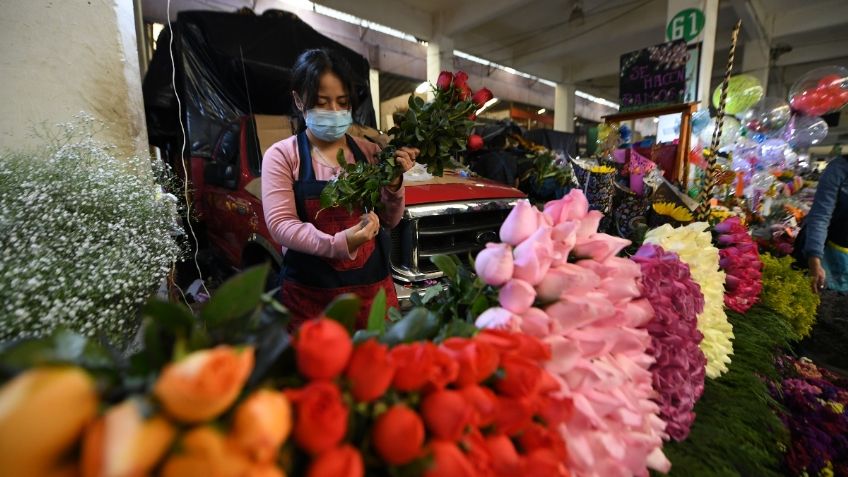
60, 57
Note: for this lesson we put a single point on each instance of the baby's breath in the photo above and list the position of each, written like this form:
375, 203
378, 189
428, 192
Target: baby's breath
85, 237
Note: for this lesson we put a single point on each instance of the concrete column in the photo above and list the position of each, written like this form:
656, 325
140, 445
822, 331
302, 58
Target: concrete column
374, 80
564, 99
60, 58
706, 37
439, 57
755, 60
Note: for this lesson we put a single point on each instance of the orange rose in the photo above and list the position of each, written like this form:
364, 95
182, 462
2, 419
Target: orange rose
205, 383
323, 349
206, 452
344, 461
321, 416
70, 469
484, 402
261, 424
477, 360
414, 365
447, 414
398, 435
504, 458
123, 443
522, 376
43, 412
370, 371
449, 461
513, 414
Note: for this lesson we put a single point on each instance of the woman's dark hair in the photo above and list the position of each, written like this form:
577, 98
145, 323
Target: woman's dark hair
311, 65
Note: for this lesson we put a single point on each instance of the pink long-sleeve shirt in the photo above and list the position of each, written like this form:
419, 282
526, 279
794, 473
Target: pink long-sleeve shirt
280, 169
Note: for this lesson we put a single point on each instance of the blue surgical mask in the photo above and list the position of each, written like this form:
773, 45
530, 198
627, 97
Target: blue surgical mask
328, 125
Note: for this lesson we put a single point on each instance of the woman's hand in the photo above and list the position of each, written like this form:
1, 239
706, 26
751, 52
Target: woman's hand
367, 228
817, 274
405, 157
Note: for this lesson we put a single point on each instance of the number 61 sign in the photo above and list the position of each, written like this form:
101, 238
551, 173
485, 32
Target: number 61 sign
686, 25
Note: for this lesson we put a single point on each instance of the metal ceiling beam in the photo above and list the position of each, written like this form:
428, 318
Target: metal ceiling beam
813, 16
471, 14
813, 53
394, 14
755, 21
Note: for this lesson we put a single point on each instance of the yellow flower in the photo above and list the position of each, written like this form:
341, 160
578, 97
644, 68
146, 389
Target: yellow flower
693, 244
601, 170
836, 407
827, 471
676, 212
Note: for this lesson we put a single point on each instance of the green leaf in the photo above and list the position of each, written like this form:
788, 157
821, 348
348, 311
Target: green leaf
173, 317
418, 324
446, 264
61, 347
344, 309
457, 328
377, 314
394, 314
328, 196
419, 102
236, 297
364, 335
431, 292
340, 158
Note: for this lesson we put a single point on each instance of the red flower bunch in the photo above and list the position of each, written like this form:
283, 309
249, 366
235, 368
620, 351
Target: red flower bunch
476, 407
679, 370
741, 262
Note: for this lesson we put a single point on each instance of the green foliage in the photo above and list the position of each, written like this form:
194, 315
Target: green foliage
736, 432
463, 297
787, 291
360, 183
544, 166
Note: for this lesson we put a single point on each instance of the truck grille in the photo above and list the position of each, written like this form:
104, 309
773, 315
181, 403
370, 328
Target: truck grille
415, 240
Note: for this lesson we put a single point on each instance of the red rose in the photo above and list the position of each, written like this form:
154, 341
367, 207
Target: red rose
504, 457
444, 81
522, 376
475, 142
370, 371
477, 453
323, 348
513, 414
320, 417
544, 462
448, 461
472, 117
444, 371
553, 410
477, 360
532, 347
460, 79
447, 414
503, 341
537, 436
464, 92
484, 402
398, 435
414, 363
344, 461
481, 97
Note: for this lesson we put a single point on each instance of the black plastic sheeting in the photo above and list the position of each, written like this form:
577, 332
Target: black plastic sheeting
554, 140
229, 65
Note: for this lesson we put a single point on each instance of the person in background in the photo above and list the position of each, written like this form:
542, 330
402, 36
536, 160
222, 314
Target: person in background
334, 252
826, 243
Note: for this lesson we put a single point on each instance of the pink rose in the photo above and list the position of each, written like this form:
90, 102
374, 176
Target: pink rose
494, 264
499, 319
573, 206
521, 222
577, 311
600, 246
535, 322
589, 224
517, 296
552, 285
533, 256
578, 279
564, 236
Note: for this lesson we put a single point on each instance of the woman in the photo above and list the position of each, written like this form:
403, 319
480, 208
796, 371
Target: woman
333, 252
826, 243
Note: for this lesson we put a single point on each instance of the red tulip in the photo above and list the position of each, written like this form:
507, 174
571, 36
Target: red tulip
475, 142
444, 81
481, 97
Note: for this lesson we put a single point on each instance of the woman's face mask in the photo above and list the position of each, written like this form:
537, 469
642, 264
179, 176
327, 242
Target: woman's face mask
328, 125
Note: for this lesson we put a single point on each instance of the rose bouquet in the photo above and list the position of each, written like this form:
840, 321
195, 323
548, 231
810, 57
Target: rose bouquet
440, 129
560, 281
693, 244
741, 263
679, 367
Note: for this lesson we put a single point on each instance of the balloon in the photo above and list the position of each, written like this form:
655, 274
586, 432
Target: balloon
625, 133
767, 116
820, 91
729, 132
804, 131
746, 157
700, 120
772, 152
743, 91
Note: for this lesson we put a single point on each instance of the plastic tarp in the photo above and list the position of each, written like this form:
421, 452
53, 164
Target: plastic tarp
562, 142
229, 65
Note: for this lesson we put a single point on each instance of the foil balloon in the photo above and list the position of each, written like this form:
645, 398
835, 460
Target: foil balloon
746, 157
804, 131
743, 91
729, 132
821, 91
772, 153
767, 117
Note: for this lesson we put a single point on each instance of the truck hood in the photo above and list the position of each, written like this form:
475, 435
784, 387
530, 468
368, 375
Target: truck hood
454, 187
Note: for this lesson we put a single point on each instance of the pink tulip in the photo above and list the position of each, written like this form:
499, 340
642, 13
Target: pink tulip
600, 246
498, 319
573, 206
535, 322
517, 296
533, 256
494, 264
521, 222
589, 224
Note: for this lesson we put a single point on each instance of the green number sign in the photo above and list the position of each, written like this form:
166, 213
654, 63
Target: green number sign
686, 25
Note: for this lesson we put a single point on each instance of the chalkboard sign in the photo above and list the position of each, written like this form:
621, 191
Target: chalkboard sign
653, 77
